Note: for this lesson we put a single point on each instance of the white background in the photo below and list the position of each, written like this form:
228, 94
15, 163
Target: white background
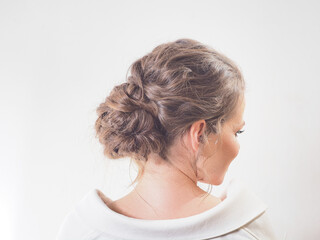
60, 59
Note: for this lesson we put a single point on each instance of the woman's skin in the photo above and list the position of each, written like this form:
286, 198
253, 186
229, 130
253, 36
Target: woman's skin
170, 191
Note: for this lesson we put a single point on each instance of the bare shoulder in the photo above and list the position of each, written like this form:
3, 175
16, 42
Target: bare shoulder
123, 205
207, 202
105, 199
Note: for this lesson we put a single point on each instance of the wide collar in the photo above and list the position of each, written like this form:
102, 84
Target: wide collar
239, 207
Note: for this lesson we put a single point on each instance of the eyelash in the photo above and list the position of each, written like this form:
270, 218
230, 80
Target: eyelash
239, 132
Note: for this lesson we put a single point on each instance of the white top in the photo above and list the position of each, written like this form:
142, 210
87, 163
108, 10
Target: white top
241, 215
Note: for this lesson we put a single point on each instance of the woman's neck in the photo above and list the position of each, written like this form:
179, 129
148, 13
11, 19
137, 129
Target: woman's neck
165, 191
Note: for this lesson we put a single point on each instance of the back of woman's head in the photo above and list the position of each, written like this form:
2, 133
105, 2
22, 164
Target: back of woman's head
168, 89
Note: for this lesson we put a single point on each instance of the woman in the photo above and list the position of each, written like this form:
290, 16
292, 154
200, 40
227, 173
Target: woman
177, 116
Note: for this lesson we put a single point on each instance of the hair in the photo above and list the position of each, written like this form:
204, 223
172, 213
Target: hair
170, 88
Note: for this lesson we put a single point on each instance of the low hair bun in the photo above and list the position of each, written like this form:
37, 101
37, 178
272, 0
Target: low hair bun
127, 125
167, 90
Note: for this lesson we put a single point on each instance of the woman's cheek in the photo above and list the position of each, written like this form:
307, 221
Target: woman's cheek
236, 148
233, 147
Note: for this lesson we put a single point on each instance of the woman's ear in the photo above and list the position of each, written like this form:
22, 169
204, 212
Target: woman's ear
196, 133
